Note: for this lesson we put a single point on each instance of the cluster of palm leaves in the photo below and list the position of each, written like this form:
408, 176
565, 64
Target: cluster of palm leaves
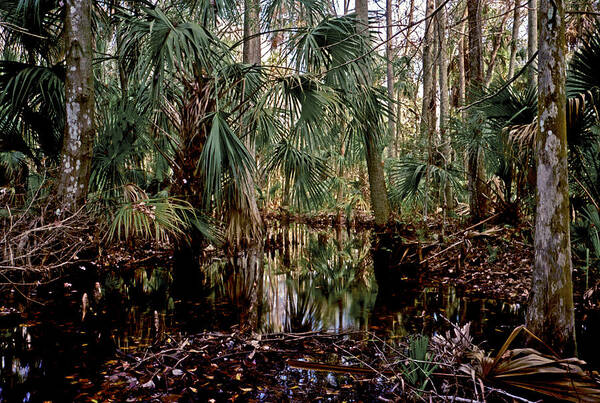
509, 133
178, 114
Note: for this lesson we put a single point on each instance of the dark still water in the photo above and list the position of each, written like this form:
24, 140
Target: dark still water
303, 280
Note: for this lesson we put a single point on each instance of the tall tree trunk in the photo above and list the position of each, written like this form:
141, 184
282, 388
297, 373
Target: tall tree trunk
411, 13
515, 37
444, 101
462, 86
532, 37
76, 160
251, 50
390, 78
478, 202
550, 314
379, 200
428, 109
246, 220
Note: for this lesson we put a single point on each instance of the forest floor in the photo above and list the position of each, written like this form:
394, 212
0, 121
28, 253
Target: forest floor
490, 261
311, 366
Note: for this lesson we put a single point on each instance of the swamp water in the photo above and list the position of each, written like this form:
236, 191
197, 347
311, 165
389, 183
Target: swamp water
310, 280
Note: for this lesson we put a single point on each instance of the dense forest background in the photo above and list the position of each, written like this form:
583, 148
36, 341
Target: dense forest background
451, 131
293, 106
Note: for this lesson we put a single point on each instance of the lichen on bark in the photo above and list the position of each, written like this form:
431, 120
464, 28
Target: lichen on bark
550, 313
72, 184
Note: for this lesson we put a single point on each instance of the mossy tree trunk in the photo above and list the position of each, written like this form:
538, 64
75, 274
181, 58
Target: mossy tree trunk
550, 313
429, 106
76, 162
379, 199
390, 78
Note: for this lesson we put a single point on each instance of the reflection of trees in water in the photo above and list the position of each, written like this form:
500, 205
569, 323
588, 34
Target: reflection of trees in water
315, 280
140, 302
324, 280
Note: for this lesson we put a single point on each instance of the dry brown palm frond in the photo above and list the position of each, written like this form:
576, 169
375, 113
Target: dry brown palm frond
529, 369
455, 344
576, 108
522, 137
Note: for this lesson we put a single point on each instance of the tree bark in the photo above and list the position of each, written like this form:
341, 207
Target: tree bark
478, 202
427, 127
379, 200
550, 313
76, 159
248, 219
390, 78
429, 107
515, 37
532, 38
251, 50
444, 101
462, 86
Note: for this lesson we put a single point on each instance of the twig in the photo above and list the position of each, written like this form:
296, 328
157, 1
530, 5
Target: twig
522, 399
442, 251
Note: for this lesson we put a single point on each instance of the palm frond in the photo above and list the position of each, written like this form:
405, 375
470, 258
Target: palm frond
304, 172
223, 157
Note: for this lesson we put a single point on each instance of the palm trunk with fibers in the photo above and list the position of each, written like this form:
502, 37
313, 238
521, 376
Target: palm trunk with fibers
515, 37
478, 202
532, 37
428, 109
379, 199
390, 77
550, 313
76, 160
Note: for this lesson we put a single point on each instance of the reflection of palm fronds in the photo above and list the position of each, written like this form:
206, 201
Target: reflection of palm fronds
302, 308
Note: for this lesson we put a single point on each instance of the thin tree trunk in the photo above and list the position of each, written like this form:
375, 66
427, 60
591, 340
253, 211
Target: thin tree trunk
444, 101
532, 38
399, 136
76, 160
379, 200
461, 62
475, 168
428, 109
515, 37
411, 13
550, 313
390, 77
496, 44
245, 222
